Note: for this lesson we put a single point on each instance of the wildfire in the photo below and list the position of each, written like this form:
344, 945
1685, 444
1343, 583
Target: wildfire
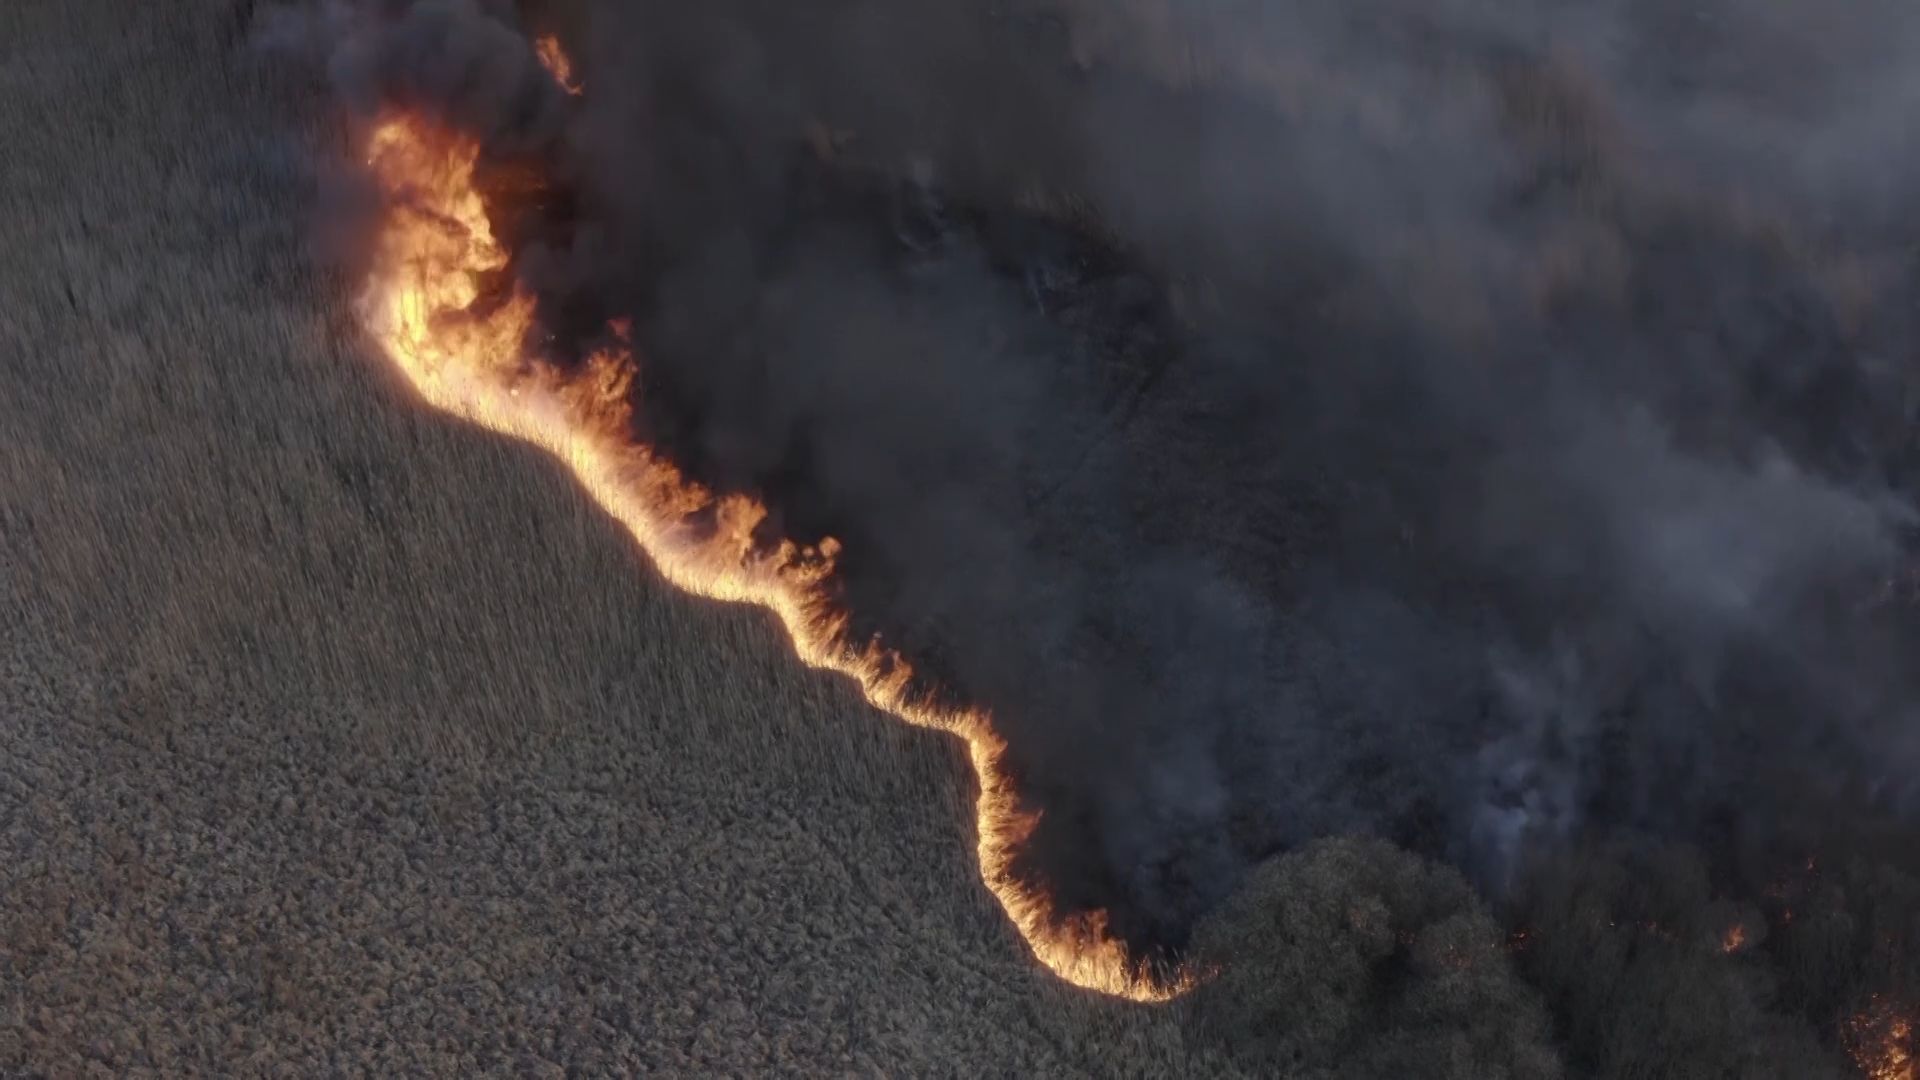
464, 355
1881, 1041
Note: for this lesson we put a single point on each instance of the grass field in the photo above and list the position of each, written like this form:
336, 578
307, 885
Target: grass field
336, 736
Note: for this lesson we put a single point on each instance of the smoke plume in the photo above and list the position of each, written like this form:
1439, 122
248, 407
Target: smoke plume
1486, 426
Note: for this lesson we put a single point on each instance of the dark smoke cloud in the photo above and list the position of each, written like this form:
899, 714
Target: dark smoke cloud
1484, 425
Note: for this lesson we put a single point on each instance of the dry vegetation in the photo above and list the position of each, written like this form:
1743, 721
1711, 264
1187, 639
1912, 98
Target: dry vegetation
337, 736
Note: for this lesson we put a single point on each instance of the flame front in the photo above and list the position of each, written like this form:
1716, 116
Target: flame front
465, 356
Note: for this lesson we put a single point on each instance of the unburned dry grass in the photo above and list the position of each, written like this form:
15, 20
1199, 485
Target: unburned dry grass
338, 736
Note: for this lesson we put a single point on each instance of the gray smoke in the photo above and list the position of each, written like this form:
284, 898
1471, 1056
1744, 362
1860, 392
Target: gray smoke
1480, 424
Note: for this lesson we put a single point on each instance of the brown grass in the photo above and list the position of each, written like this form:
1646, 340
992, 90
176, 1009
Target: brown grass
335, 735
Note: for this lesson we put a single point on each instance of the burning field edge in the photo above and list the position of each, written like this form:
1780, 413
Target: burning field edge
464, 353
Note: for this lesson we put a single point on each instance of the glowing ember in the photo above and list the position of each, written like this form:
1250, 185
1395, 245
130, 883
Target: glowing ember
1735, 938
1881, 1041
466, 357
554, 59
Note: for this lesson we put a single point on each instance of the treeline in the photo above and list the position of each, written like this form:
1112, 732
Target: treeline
1616, 959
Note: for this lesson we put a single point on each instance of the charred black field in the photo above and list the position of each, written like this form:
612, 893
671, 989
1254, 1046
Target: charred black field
1424, 493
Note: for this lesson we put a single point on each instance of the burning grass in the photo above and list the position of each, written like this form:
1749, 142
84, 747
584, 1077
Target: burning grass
1880, 1039
338, 734
271, 619
466, 356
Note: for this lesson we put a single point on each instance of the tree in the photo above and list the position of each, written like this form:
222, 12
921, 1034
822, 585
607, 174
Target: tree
1352, 956
1649, 975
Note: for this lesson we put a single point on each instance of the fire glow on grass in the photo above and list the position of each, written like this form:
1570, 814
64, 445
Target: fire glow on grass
466, 356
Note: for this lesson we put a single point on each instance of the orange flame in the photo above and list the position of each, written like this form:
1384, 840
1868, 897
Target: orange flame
1735, 938
466, 358
1881, 1041
554, 59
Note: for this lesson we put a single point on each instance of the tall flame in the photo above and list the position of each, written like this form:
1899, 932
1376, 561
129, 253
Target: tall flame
465, 356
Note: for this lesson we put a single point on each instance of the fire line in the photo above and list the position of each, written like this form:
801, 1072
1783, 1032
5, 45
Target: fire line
467, 358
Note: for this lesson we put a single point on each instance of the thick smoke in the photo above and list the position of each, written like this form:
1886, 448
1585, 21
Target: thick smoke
1484, 425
